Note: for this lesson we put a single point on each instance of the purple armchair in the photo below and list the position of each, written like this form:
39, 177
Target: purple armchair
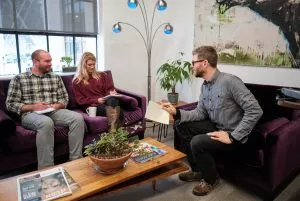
271, 157
18, 146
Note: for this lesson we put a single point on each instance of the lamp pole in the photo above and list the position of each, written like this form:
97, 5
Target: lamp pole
149, 35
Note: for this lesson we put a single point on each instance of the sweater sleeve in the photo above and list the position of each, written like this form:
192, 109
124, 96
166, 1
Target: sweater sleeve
80, 97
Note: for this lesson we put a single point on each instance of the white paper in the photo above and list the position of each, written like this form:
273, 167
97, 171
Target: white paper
50, 109
155, 113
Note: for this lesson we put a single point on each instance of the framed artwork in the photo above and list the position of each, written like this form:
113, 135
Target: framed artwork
250, 32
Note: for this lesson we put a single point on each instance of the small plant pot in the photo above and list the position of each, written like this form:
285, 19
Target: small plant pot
110, 166
69, 69
173, 98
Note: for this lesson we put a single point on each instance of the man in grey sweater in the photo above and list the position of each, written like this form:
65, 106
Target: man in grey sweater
224, 117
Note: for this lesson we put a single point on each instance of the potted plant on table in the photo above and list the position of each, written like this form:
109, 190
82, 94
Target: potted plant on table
67, 68
172, 72
112, 150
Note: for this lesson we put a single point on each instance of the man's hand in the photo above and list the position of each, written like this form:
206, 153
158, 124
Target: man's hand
221, 136
169, 108
41, 106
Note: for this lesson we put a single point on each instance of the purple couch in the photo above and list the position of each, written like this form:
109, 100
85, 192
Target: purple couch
271, 157
18, 146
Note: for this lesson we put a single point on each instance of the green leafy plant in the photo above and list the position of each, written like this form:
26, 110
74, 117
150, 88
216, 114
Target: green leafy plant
67, 60
111, 145
172, 72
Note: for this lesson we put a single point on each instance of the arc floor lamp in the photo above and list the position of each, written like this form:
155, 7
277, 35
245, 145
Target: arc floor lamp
149, 35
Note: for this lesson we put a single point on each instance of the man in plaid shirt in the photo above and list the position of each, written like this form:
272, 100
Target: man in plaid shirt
33, 92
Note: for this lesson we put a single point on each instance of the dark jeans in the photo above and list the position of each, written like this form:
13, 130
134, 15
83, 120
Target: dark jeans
113, 102
200, 148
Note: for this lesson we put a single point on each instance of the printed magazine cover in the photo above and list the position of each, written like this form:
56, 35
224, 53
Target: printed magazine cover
146, 152
46, 185
73, 185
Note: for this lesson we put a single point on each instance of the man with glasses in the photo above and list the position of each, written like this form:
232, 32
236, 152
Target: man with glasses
224, 117
39, 97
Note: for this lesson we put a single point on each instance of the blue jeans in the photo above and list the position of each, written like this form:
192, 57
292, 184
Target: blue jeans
44, 124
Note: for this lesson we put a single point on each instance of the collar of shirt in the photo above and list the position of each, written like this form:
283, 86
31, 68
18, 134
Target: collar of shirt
44, 75
214, 78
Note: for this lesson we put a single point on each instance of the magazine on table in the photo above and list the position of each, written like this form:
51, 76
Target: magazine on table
44, 186
72, 183
146, 152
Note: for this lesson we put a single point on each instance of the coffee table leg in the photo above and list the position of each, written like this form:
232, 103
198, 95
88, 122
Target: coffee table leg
154, 185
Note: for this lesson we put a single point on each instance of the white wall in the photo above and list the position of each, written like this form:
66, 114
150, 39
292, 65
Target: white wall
126, 56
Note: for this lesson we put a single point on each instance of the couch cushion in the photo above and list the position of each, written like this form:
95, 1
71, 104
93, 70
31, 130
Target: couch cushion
24, 139
67, 79
95, 125
7, 125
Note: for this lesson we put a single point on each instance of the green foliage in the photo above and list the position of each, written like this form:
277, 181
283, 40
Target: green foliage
111, 145
67, 60
276, 59
172, 72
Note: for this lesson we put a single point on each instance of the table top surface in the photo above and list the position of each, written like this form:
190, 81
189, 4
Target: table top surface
92, 182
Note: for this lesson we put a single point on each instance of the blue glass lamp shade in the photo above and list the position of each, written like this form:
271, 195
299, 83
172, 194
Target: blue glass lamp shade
168, 29
117, 28
161, 5
132, 3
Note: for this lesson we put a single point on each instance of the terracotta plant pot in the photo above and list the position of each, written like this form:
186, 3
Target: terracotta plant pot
110, 166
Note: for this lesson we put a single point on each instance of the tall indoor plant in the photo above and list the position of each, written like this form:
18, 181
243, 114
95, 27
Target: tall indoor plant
172, 72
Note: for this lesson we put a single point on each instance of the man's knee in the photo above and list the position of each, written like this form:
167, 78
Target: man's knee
77, 118
46, 124
199, 142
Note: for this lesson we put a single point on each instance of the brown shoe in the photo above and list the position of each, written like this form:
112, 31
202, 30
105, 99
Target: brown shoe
203, 188
190, 176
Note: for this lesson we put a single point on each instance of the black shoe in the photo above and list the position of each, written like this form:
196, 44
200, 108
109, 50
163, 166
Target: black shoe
190, 176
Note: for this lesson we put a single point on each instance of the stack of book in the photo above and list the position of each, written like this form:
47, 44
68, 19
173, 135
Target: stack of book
46, 185
146, 152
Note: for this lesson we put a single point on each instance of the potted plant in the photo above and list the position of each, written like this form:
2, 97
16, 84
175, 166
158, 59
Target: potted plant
67, 68
111, 151
172, 72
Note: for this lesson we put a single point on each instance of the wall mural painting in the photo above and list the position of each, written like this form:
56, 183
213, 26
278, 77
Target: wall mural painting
251, 32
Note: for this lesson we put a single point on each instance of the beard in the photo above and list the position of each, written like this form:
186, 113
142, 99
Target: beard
45, 69
198, 73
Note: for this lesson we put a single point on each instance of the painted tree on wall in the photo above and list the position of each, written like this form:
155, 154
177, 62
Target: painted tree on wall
283, 13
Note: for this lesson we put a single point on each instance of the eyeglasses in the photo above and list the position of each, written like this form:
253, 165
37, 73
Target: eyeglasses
194, 62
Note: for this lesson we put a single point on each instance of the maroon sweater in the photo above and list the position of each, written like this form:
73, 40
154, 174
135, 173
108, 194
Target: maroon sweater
87, 95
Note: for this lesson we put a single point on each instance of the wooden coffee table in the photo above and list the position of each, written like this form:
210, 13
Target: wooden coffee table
92, 182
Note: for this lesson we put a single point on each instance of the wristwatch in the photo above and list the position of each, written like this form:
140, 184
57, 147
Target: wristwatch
230, 137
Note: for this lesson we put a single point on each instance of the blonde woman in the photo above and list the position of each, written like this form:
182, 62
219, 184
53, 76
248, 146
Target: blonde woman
90, 86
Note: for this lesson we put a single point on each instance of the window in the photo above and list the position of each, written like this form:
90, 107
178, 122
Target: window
27, 44
8, 55
84, 44
62, 27
60, 46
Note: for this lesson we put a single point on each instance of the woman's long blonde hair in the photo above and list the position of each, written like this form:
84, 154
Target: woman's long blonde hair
81, 74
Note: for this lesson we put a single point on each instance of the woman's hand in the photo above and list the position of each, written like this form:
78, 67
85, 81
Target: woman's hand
101, 100
113, 92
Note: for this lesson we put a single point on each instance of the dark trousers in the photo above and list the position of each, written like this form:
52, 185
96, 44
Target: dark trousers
113, 102
200, 148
